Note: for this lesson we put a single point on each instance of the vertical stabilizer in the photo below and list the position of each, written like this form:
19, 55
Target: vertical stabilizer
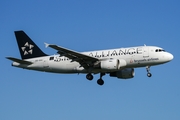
27, 48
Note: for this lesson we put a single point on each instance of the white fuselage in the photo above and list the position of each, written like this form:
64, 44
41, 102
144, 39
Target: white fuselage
132, 57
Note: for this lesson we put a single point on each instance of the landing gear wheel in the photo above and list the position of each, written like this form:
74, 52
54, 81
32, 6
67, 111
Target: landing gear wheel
149, 74
148, 71
89, 76
100, 82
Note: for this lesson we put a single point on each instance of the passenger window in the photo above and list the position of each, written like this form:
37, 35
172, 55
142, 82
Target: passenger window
51, 58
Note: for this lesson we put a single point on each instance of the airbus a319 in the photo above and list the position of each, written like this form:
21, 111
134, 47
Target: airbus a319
119, 63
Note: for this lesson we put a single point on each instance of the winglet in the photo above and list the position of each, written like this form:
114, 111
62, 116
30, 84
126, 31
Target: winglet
46, 45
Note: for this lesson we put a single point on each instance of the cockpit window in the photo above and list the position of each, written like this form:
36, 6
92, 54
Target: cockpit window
159, 50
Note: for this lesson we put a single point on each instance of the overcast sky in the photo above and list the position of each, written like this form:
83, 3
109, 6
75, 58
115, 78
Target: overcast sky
84, 25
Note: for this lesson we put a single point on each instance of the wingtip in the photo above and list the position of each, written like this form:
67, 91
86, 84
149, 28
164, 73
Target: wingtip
46, 45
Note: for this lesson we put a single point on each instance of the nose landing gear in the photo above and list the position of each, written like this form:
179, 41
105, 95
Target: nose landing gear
148, 71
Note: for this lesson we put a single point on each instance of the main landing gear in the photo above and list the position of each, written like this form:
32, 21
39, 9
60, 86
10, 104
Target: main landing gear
100, 81
89, 76
148, 71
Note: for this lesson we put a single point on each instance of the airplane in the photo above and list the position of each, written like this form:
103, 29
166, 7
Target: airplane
119, 63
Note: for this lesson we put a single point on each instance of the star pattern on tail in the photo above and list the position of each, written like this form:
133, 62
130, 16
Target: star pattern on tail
27, 48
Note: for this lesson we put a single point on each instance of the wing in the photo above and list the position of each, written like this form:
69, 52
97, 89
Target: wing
85, 60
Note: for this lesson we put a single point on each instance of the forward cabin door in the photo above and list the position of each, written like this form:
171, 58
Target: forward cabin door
145, 52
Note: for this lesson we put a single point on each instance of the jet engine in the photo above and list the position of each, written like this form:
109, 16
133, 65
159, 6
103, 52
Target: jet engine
110, 64
124, 73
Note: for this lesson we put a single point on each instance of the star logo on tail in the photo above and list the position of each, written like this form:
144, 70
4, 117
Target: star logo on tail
27, 48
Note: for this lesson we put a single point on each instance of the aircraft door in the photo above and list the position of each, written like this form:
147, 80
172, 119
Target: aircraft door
45, 63
145, 51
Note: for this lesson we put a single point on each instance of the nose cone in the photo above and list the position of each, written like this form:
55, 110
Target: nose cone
169, 56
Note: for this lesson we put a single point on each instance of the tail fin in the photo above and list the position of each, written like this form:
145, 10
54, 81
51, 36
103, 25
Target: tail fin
27, 48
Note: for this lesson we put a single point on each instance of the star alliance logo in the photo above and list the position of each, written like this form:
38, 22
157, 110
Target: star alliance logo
27, 48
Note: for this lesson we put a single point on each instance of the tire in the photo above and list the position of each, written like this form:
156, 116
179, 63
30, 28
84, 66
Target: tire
89, 76
149, 74
100, 82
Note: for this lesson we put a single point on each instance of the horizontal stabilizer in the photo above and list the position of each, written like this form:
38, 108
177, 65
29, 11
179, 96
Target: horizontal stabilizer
19, 61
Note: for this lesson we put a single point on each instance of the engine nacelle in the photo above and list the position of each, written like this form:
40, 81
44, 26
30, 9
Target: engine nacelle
124, 73
110, 64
